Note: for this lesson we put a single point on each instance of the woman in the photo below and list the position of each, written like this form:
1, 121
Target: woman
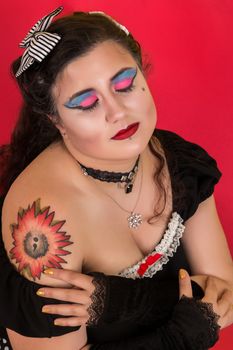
87, 124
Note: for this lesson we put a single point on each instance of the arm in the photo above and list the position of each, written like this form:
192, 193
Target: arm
182, 332
18, 293
145, 301
206, 245
115, 299
35, 237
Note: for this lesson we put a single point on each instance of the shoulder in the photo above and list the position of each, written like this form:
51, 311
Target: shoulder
185, 149
40, 225
193, 170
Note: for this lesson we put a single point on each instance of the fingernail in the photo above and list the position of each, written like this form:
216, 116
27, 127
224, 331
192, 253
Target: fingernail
56, 323
48, 272
182, 274
40, 292
46, 309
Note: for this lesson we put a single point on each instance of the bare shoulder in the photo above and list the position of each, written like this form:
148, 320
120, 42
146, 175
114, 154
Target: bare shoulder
40, 225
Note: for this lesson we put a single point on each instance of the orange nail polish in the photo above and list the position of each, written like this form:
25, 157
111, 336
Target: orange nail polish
46, 309
40, 293
182, 274
48, 272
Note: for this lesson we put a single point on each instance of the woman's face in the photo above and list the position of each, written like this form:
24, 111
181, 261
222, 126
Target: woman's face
98, 95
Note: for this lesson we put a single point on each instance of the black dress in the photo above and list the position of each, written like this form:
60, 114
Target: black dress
141, 311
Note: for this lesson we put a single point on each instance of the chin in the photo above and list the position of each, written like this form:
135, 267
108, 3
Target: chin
134, 150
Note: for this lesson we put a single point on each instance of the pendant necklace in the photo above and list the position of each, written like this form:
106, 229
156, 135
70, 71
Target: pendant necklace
134, 219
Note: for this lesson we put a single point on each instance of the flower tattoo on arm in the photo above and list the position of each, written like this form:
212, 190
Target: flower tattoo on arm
38, 241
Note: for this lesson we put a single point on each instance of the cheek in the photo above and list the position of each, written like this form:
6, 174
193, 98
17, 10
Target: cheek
145, 105
85, 132
149, 101
151, 110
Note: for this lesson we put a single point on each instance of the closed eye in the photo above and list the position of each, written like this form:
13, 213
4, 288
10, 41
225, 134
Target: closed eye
83, 101
124, 82
90, 108
127, 89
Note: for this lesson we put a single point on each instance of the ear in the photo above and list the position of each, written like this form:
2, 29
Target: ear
58, 123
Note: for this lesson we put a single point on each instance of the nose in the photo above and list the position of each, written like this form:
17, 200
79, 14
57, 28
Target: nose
114, 110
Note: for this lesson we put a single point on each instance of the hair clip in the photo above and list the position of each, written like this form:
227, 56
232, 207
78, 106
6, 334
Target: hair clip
112, 19
38, 42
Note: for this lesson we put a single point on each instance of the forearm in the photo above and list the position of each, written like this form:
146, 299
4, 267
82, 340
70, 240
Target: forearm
182, 332
144, 301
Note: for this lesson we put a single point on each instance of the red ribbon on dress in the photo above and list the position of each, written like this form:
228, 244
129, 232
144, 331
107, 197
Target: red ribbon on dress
150, 260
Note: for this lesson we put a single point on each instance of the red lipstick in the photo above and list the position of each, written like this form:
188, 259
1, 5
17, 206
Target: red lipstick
126, 133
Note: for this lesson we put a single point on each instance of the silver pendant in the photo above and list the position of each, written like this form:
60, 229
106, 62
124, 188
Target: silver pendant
134, 220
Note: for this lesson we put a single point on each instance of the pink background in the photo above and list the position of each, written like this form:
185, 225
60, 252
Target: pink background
189, 43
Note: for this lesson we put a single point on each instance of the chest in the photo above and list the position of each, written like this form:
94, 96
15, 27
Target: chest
111, 246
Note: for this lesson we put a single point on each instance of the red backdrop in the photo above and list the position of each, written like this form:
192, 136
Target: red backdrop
189, 43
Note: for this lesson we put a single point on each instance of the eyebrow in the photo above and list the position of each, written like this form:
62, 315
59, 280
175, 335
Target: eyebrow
122, 70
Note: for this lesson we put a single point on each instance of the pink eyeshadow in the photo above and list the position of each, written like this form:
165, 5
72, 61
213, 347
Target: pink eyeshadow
123, 83
88, 101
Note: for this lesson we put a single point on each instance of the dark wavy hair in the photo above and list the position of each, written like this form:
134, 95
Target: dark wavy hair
34, 131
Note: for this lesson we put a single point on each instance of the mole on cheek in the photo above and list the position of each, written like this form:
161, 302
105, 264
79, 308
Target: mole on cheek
143, 89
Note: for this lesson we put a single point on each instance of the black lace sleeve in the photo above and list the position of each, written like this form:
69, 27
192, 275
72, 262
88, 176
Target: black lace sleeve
144, 301
98, 298
193, 326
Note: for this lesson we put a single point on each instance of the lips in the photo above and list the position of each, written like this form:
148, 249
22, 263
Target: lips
125, 133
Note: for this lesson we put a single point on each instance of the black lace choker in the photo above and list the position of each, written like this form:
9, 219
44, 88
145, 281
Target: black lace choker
110, 176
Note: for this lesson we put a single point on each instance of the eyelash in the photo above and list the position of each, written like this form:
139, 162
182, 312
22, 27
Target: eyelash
90, 109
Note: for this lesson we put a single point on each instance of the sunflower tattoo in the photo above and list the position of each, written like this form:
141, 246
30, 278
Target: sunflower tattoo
38, 241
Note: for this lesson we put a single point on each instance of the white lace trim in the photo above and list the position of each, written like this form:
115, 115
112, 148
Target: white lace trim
167, 247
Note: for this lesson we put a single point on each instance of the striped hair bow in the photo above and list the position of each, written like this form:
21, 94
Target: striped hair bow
38, 42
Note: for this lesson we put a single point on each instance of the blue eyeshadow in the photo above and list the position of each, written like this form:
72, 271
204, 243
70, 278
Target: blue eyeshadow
76, 101
126, 74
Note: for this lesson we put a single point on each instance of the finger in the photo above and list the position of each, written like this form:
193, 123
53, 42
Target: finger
65, 310
63, 294
211, 292
71, 321
76, 279
185, 285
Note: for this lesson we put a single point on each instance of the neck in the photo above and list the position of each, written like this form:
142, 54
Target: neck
124, 165
127, 178
111, 165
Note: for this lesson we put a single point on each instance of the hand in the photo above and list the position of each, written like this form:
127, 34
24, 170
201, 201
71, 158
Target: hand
220, 298
220, 283
79, 295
